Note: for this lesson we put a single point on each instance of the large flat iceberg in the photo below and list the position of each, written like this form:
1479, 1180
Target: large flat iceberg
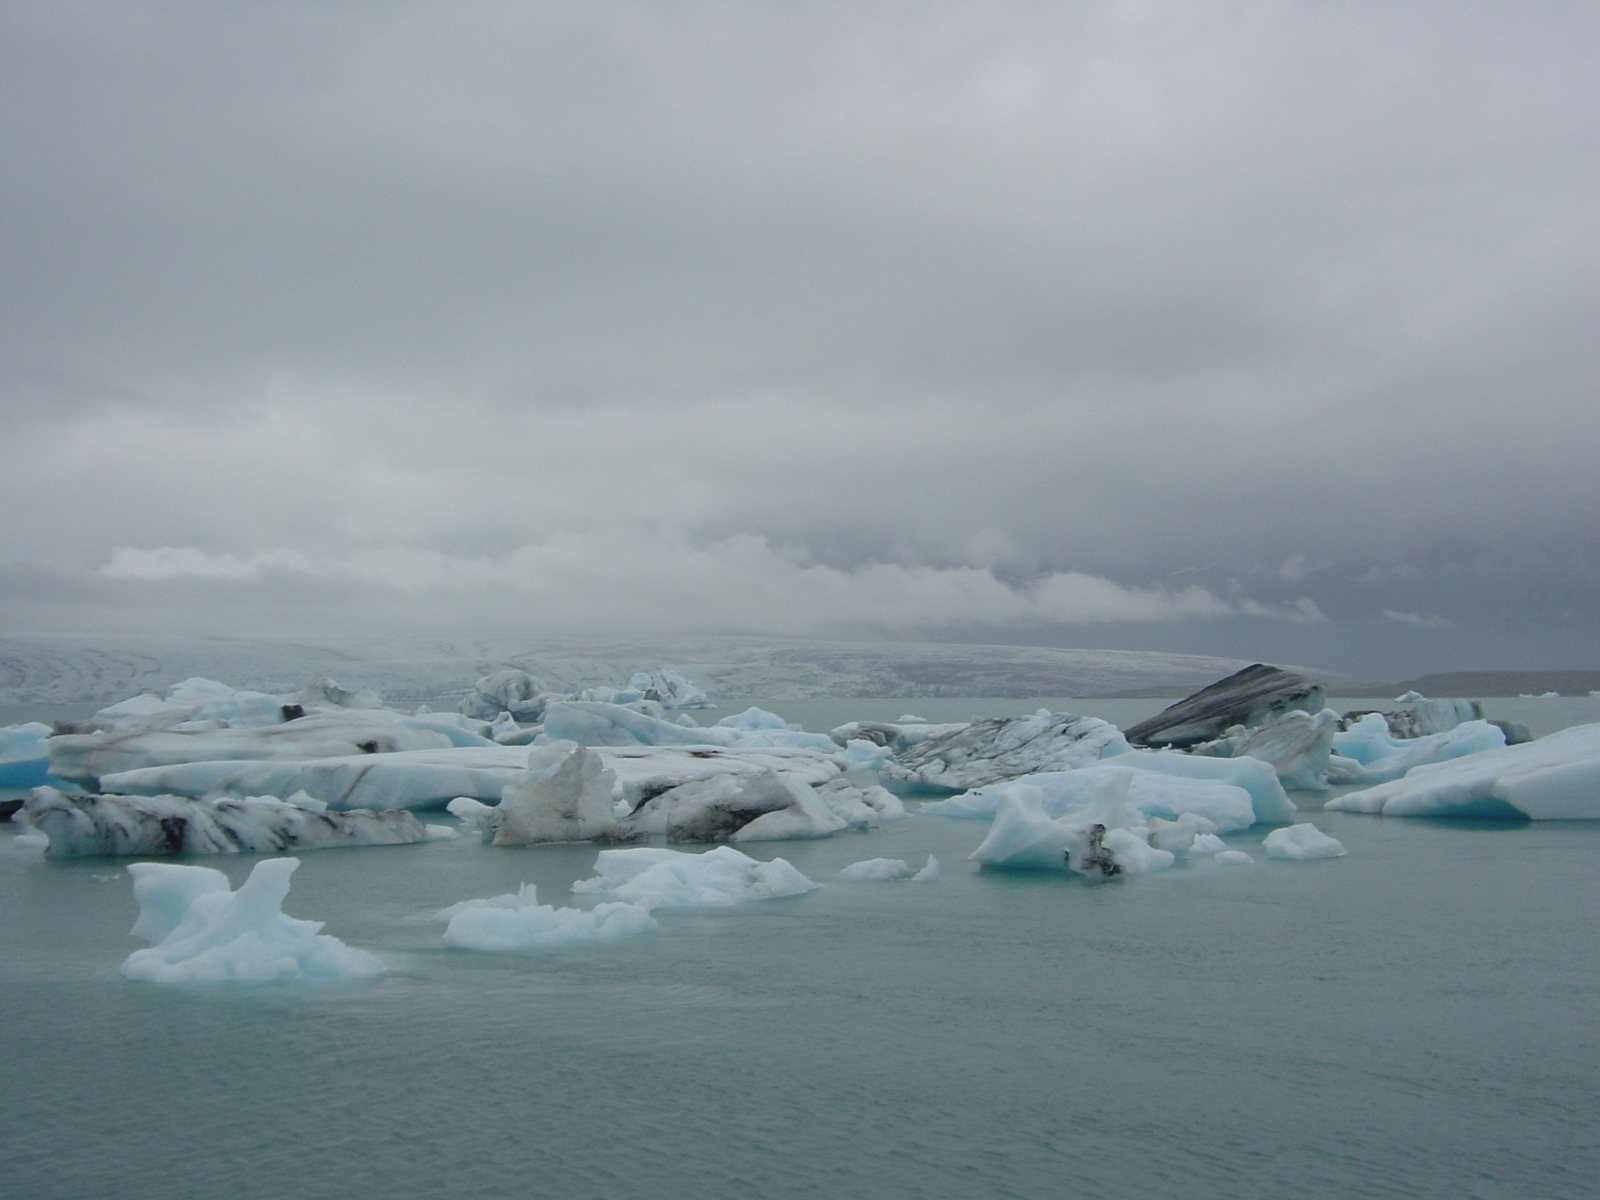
1556, 778
122, 825
1232, 793
204, 932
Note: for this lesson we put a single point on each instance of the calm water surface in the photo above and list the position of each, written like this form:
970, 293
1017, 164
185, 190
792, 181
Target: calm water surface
1414, 1020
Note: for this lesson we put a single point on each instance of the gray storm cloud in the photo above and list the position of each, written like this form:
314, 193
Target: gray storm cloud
1187, 323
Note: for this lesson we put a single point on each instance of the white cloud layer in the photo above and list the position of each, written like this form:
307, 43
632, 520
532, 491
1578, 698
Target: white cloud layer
903, 316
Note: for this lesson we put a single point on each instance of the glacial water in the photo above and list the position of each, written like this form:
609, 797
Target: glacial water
1413, 1020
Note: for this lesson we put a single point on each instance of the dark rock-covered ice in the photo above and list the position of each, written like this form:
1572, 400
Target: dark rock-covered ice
1250, 697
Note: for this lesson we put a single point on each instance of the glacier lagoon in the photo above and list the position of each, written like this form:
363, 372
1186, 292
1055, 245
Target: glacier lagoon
1411, 1020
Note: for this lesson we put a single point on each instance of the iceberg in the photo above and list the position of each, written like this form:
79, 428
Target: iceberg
877, 870
725, 808
1302, 842
1001, 748
1231, 793
511, 691
1107, 838
24, 760
518, 921
79, 825
1368, 752
86, 758
410, 779
655, 878
1297, 744
1254, 696
1554, 778
430, 779
204, 932
566, 796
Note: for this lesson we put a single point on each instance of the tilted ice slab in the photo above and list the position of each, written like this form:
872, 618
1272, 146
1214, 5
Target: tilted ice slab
1004, 748
89, 757
517, 921
122, 825
654, 878
204, 932
1555, 778
1107, 837
1368, 752
1254, 696
1231, 793
1297, 744
430, 779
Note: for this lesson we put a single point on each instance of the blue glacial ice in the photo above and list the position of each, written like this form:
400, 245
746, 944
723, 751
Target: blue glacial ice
24, 761
1554, 778
1368, 752
1231, 793
204, 932
1108, 836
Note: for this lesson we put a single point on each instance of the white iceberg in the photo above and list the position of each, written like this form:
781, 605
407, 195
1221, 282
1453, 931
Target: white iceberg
1303, 841
430, 779
1004, 748
87, 758
79, 825
655, 878
519, 922
512, 691
1554, 778
567, 795
1107, 838
1231, 793
876, 870
204, 932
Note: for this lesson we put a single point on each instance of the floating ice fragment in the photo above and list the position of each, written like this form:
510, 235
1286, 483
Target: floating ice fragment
655, 878
929, 871
1303, 841
203, 932
518, 921
876, 870
1232, 858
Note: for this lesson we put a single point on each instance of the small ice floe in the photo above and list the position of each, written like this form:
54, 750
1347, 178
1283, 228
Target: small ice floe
1232, 858
518, 921
1301, 842
658, 878
204, 932
929, 871
876, 870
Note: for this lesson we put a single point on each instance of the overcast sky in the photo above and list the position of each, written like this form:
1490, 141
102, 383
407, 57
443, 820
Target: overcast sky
1266, 329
